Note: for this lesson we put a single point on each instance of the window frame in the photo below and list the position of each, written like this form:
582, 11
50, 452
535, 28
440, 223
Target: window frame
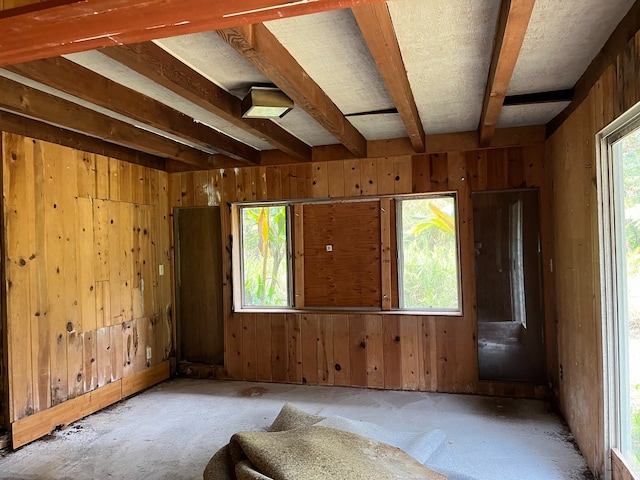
400, 254
288, 255
612, 283
237, 256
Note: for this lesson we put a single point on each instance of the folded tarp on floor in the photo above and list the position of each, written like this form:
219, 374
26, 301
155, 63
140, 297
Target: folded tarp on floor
297, 447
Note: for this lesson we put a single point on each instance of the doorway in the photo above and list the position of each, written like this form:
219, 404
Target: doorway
511, 344
200, 323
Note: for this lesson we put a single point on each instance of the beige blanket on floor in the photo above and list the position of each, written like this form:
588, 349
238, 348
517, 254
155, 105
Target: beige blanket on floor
294, 448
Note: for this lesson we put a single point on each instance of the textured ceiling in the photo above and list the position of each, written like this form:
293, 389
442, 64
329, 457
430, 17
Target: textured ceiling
331, 49
562, 39
117, 72
446, 46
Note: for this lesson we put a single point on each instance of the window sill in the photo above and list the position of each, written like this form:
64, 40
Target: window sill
348, 310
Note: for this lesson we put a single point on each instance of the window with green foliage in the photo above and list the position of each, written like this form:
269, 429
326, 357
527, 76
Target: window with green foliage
265, 256
428, 253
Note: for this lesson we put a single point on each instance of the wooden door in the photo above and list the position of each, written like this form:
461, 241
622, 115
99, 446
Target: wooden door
199, 285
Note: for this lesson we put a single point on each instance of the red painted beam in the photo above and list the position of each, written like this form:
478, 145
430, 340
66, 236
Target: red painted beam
58, 27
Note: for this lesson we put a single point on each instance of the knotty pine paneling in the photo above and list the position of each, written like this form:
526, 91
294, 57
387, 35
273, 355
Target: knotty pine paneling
84, 236
571, 152
369, 349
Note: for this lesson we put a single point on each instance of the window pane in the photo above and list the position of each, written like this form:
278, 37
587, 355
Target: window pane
627, 160
429, 277
264, 256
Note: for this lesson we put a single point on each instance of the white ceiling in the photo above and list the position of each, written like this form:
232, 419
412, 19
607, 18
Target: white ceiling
446, 46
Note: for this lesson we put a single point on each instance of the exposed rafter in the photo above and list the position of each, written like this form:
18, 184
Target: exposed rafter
68, 77
18, 98
376, 26
10, 122
156, 64
58, 27
512, 26
258, 45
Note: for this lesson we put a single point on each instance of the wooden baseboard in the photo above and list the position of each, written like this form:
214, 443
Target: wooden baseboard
145, 379
39, 424
198, 370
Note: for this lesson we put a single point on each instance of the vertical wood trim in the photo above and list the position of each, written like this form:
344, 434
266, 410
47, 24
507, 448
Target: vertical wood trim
298, 256
385, 253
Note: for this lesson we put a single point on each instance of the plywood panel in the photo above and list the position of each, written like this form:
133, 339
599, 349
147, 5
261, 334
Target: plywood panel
319, 180
263, 348
391, 339
294, 349
409, 351
324, 350
310, 336
420, 174
402, 169
278, 347
386, 175
374, 351
85, 271
249, 342
341, 350
90, 352
358, 350
72, 239
336, 179
352, 178
16, 198
349, 274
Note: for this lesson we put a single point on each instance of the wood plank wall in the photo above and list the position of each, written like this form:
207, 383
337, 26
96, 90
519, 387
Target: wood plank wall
411, 352
571, 152
84, 235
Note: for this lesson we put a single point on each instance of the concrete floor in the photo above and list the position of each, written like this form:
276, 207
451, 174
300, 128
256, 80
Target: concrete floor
171, 431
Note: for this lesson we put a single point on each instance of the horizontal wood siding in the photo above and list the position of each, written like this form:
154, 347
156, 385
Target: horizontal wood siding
84, 237
375, 350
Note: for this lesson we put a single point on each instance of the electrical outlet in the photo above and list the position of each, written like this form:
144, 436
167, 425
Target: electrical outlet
148, 353
161, 269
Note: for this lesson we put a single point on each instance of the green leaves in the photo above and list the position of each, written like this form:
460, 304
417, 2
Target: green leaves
264, 256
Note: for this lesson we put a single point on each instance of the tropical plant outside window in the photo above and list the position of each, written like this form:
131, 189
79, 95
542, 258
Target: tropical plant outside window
428, 258
265, 264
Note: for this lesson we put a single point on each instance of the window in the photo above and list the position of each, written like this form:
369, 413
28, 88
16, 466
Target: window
339, 248
428, 253
265, 256
619, 186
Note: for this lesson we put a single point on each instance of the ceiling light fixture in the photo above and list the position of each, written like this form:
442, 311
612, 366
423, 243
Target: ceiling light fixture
265, 102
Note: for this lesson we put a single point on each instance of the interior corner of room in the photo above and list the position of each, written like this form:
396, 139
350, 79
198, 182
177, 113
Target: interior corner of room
437, 197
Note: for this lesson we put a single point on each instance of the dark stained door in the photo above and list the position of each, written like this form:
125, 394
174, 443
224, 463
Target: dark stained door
199, 285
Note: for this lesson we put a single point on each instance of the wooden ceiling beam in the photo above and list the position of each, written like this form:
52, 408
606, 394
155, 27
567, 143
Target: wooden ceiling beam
151, 61
258, 45
57, 27
73, 79
18, 98
27, 127
512, 27
377, 28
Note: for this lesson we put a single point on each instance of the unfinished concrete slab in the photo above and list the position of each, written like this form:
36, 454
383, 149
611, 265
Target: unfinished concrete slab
172, 430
